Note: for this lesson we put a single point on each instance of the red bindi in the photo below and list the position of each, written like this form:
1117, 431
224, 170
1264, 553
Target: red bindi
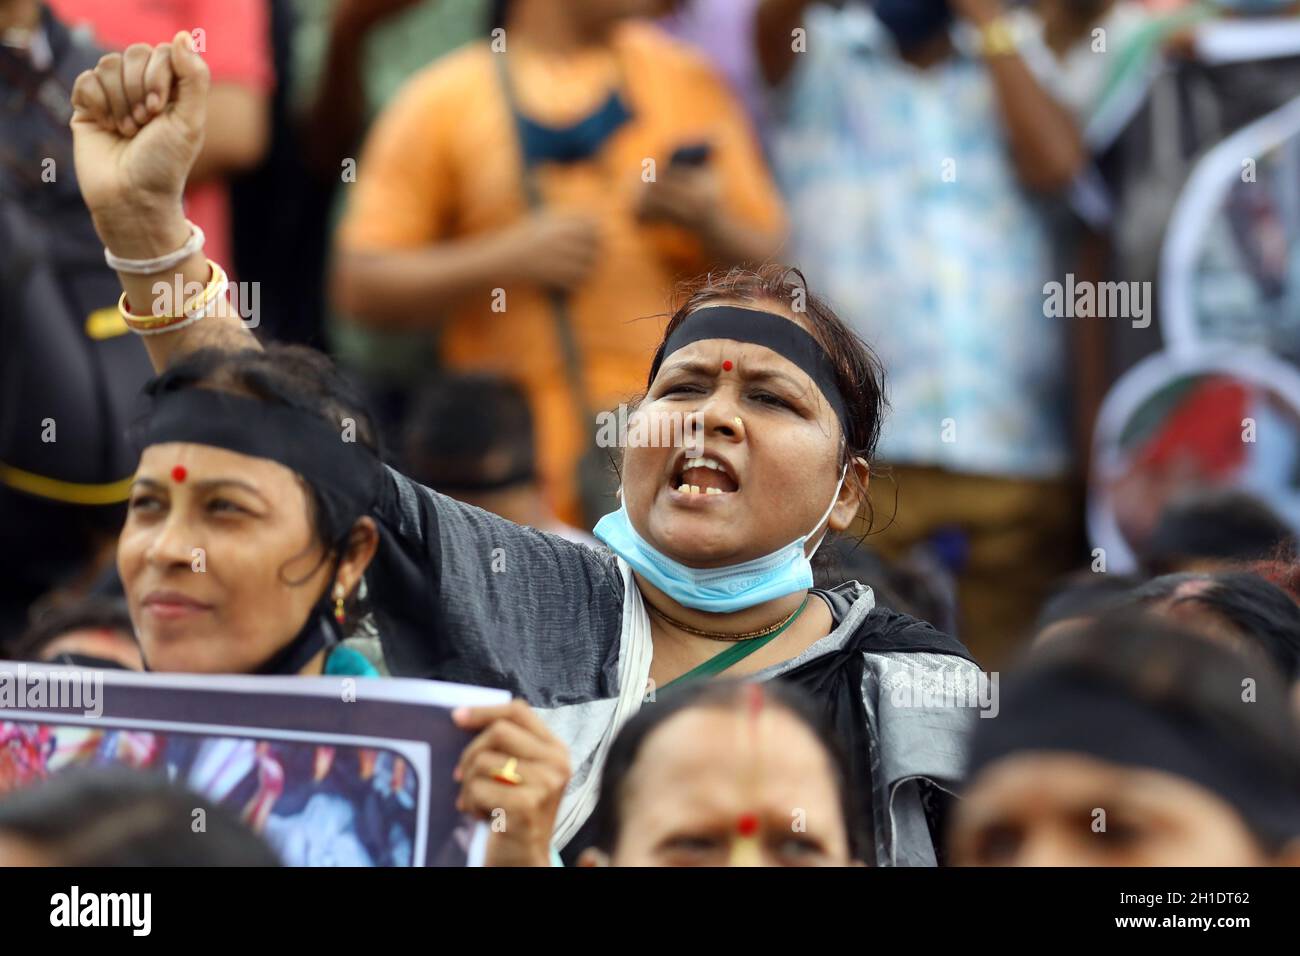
726, 366
179, 473
747, 825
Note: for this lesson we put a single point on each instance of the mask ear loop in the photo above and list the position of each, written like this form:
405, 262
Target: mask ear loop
844, 472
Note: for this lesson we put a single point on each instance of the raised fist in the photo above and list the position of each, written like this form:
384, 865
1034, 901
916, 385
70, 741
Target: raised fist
137, 127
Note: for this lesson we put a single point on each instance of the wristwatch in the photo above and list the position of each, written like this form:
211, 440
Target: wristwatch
998, 38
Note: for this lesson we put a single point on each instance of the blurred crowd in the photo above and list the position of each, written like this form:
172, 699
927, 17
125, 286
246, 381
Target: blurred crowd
1070, 230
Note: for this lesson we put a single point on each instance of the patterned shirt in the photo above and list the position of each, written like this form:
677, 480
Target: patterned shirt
908, 215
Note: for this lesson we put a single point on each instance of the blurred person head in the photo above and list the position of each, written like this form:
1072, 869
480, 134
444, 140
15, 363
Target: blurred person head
1238, 609
1212, 530
724, 773
90, 631
592, 19
471, 437
789, 453
1133, 744
1079, 599
119, 817
232, 561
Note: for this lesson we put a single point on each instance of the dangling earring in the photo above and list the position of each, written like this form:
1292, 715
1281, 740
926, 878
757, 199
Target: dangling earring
339, 614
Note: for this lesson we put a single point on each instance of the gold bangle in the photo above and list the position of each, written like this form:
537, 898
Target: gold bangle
193, 308
998, 38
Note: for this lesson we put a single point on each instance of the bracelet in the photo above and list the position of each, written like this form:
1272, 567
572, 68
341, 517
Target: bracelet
147, 267
200, 306
998, 38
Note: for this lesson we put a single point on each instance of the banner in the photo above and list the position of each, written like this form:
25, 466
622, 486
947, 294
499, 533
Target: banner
1186, 422
331, 771
1230, 265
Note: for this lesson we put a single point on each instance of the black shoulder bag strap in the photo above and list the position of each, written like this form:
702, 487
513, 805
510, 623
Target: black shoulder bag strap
597, 481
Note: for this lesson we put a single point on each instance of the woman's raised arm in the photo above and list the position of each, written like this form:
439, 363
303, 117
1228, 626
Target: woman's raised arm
137, 127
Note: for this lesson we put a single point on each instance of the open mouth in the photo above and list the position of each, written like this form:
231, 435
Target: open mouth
703, 475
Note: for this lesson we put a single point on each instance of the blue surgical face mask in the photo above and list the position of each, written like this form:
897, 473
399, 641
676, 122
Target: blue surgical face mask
717, 590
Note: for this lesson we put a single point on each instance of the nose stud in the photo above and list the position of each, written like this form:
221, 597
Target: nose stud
739, 423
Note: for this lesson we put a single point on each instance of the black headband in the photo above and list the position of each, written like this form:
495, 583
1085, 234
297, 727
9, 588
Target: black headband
300, 440
782, 336
1077, 714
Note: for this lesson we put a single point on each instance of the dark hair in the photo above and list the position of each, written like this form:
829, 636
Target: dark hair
467, 431
1085, 594
1173, 671
1225, 525
1282, 570
1262, 613
1168, 665
912, 584
1086, 10
295, 376
859, 374
606, 819
119, 817
87, 613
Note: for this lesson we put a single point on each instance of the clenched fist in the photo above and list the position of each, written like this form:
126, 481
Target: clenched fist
137, 127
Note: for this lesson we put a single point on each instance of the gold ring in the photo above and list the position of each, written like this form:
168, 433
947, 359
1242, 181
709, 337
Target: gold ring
508, 773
